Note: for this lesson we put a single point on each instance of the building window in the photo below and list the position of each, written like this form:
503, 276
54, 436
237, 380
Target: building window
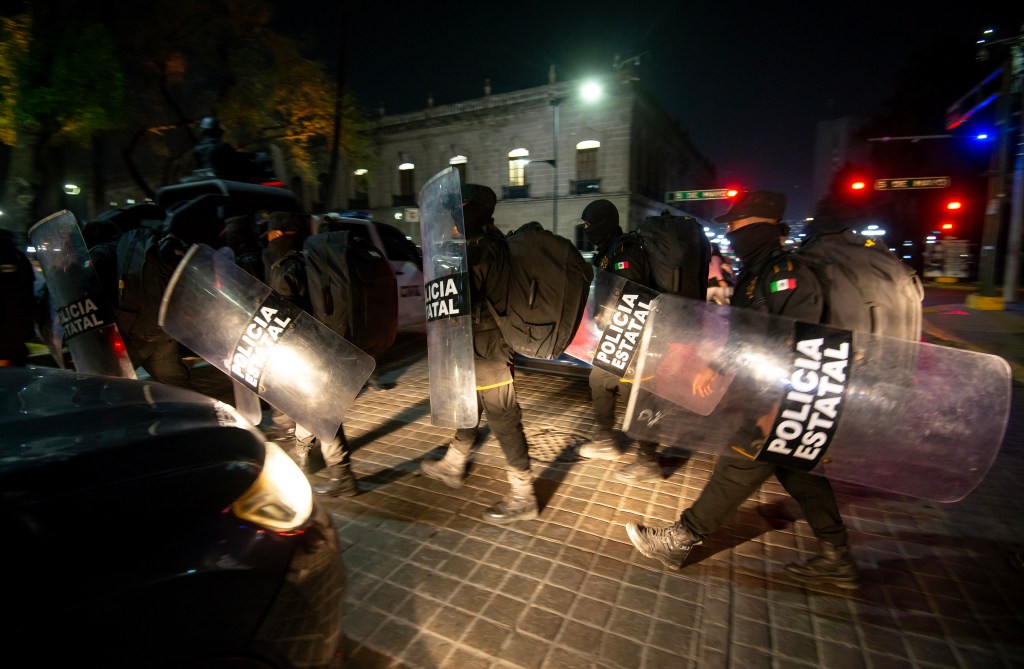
586, 159
459, 163
360, 190
406, 176
517, 160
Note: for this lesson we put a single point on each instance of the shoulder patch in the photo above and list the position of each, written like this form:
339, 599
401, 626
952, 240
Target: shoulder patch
781, 284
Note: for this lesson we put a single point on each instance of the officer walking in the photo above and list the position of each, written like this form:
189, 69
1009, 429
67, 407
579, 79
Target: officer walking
286, 274
622, 255
753, 229
489, 267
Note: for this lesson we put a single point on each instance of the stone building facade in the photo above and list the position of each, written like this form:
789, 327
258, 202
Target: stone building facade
622, 147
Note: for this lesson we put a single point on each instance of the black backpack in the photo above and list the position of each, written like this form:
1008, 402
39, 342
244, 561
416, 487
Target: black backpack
352, 289
549, 284
146, 259
866, 287
678, 254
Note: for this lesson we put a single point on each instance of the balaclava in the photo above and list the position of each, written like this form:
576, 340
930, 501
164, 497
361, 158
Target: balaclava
603, 218
754, 241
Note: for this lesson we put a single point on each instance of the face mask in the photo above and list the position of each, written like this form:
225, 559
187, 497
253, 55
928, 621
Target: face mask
750, 239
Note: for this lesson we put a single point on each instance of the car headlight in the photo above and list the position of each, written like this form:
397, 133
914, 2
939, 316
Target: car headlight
280, 499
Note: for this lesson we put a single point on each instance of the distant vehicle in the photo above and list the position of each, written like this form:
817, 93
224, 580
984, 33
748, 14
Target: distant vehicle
405, 257
151, 526
244, 198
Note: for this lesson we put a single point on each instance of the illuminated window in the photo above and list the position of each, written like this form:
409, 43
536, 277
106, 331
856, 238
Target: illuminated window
586, 159
517, 160
459, 163
361, 184
406, 177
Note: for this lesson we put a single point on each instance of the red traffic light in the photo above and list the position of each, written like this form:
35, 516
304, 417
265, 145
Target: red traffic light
858, 185
954, 205
731, 193
947, 226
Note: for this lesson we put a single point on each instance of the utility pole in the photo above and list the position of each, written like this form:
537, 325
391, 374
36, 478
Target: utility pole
1012, 90
1011, 280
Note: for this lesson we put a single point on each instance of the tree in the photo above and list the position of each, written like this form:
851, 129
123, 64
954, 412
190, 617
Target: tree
61, 86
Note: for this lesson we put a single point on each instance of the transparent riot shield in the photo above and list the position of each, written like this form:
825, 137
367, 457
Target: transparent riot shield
906, 417
276, 350
453, 401
610, 332
247, 402
83, 313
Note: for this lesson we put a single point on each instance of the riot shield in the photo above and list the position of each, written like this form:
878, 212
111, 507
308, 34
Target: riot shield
613, 322
453, 401
276, 350
82, 311
247, 402
906, 417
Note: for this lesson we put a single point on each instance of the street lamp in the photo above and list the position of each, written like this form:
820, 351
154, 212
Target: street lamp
590, 91
555, 104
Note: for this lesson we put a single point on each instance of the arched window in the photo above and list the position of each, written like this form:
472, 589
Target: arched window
517, 160
360, 189
459, 163
406, 179
586, 159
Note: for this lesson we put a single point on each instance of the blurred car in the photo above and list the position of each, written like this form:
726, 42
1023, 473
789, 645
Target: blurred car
150, 526
405, 257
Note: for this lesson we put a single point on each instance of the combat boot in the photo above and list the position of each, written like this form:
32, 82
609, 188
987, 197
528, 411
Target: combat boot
669, 544
521, 503
299, 454
644, 469
603, 446
305, 452
449, 470
832, 564
340, 482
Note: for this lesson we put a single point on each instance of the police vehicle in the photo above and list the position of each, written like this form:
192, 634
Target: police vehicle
151, 526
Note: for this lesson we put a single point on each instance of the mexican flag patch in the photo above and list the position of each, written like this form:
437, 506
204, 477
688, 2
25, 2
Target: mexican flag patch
781, 284
622, 265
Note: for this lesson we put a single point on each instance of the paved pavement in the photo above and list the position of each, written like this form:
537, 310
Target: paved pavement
431, 585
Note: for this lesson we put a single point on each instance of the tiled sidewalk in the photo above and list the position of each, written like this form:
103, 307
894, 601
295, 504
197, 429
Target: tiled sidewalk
432, 585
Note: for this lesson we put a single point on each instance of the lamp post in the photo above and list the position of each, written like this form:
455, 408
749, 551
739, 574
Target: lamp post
589, 92
555, 104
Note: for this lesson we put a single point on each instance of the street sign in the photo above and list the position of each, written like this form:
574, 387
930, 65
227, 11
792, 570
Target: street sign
683, 195
916, 182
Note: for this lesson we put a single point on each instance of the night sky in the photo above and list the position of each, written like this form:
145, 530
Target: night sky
748, 81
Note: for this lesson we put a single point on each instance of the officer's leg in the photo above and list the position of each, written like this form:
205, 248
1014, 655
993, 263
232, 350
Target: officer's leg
498, 397
834, 562
817, 500
340, 480
165, 364
604, 391
732, 481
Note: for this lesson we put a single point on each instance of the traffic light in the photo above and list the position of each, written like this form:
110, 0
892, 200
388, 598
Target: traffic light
950, 218
731, 193
858, 185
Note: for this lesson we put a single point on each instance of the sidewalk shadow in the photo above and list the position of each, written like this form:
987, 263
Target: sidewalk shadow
408, 415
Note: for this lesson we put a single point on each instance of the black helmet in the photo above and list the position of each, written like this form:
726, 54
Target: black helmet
211, 127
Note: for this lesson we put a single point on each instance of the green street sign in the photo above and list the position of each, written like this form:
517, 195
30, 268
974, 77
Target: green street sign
683, 195
918, 182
